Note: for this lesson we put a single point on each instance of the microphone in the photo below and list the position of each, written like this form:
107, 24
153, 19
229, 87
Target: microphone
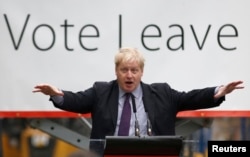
149, 126
137, 127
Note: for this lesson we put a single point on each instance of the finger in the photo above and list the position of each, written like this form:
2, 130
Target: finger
237, 82
239, 87
42, 86
36, 90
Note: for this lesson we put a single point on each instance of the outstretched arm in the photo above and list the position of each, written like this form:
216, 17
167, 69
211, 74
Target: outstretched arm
223, 90
48, 90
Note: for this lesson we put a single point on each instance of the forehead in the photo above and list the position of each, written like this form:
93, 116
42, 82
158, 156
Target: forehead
129, 64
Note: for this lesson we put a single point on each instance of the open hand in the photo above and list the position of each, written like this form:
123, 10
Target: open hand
47, 90
223, 90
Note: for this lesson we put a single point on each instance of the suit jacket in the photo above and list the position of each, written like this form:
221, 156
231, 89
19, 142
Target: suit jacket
161, 101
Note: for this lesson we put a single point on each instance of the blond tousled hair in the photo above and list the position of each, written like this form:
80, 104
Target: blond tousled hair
129, 54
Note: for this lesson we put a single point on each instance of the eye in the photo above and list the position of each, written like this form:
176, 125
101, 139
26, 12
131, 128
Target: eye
134, 71
124, 70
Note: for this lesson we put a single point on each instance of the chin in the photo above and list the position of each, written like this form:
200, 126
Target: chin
129, 89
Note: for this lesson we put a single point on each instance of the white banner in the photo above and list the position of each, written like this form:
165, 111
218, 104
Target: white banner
71, 44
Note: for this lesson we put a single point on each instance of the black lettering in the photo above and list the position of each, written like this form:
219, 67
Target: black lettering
220, 35
88, 36
200, 46
65, 25
120, 31
16, 45
157, 35
181, 36
34, 35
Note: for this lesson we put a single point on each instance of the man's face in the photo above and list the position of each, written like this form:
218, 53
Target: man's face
129, 75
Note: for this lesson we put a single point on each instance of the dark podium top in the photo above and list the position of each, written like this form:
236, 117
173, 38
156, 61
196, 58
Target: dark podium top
148, 145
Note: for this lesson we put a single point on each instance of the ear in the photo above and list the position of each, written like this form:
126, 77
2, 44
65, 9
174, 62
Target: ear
116, 71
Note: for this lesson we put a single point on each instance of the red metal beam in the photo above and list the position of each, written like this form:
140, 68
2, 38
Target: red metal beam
64, 114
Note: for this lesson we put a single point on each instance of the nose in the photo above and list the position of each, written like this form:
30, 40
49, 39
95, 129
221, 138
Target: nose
129, 73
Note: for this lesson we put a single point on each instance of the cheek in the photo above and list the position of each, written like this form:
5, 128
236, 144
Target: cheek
140, 75
119, 76
117, 73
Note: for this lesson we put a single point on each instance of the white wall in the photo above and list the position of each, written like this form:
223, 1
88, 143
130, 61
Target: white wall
45, 47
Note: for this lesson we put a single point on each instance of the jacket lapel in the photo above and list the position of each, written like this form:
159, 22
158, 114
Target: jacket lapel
113, 101
148, 101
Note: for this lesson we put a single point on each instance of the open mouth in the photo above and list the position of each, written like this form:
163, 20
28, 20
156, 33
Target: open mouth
128, 82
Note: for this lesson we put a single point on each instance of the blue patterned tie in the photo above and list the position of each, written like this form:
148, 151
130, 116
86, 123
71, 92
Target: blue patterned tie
125, 117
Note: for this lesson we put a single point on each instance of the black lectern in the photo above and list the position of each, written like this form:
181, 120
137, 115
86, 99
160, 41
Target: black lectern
148, 146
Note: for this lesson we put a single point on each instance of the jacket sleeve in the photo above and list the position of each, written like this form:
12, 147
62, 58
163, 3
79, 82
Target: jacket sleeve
198, 99
78, 102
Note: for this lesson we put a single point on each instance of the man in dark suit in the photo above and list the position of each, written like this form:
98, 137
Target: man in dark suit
155, 105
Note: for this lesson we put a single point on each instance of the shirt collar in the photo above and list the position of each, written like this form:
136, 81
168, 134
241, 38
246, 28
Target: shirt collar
137, 92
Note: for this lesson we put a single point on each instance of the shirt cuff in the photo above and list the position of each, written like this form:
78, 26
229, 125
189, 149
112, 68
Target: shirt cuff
57, 99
